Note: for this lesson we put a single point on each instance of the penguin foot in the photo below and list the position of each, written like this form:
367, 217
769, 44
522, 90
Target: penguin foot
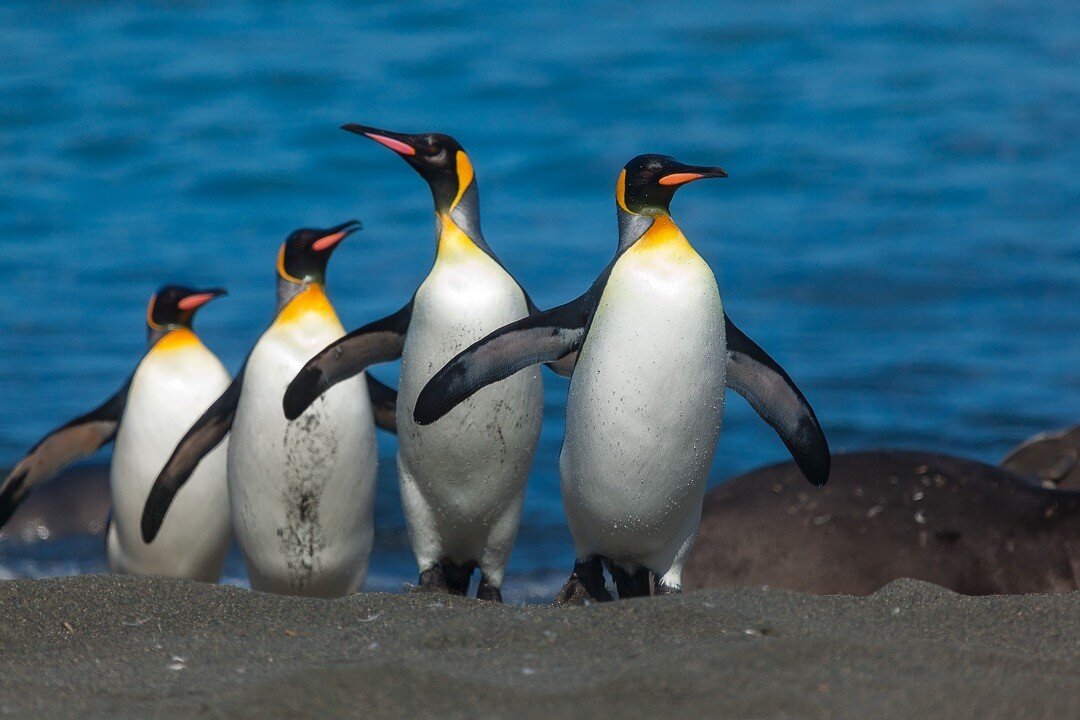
487, 591
629, 584
662, 589
457, 576
432, 580
585, 585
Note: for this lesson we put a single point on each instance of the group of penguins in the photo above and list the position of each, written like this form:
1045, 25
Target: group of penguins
283, 455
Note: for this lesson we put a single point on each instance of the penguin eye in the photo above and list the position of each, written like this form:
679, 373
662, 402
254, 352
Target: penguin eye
432, 148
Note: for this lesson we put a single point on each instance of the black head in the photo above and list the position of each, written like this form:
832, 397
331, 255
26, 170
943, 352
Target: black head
174, 306
648, 182
438, 158
303, 256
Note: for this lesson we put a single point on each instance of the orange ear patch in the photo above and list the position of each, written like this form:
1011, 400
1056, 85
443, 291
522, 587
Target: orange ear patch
464, 175
150, 313
620, 190
281, 267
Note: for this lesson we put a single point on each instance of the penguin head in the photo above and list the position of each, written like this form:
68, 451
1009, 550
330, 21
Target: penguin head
304, 254
648, 182
174, 306
439, 159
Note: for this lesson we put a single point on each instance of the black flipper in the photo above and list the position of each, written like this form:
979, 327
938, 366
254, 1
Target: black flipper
542, 338
774, 396
63, 446
205, 435
383, 404
564, 366
377, 342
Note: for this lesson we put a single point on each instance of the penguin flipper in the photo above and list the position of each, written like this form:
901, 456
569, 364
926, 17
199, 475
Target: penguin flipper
564, 366
63, 446
205, 435
542, 338
779, 402
383, 404
377, 342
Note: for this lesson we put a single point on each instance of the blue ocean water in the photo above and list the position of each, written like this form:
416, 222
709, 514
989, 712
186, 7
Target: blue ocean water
901, 229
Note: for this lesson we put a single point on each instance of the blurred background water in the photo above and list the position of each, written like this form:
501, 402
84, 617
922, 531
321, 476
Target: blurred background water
901, 229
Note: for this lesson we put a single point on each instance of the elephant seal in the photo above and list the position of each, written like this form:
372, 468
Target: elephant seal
973, 528
1051, 459
75, 502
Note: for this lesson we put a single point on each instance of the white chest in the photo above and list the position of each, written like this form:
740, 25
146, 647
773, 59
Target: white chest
172, 387
266, 449
474, 461
169, 391
646, 400
458, 303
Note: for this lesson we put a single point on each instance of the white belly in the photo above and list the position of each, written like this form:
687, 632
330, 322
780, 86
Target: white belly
169, 392
467, 472
644, 410
302, 492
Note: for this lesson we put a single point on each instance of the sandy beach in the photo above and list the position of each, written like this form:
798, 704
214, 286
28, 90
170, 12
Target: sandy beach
98, 646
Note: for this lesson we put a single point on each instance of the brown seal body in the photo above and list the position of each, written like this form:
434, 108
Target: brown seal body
75, 502
1052, 459
973, 528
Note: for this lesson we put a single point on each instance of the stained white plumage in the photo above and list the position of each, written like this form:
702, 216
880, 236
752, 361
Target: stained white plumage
302, 492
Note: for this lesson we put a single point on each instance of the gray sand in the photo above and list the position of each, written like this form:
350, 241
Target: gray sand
100, 646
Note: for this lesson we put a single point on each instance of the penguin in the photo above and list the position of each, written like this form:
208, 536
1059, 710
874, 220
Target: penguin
172, 385
301, 493
655, 353
463, 481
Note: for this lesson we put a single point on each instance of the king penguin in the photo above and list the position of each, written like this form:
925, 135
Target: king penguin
173, 384
655, 351
301, 493
463, 481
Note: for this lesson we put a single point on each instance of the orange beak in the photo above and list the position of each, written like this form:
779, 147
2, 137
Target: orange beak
395, 145
197, 300
691, 173
325, 243
680, 178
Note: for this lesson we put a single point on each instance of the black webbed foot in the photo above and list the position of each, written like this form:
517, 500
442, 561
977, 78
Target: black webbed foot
586, 584
488, 592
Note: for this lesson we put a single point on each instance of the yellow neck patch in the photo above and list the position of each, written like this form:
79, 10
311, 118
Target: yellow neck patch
311, 300
464, 176
178, 339
454, 244
664, 235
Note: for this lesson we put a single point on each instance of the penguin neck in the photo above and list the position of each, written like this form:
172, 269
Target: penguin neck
458, 228
306, 299
632, 227
650, 233
169, 338
288, 289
